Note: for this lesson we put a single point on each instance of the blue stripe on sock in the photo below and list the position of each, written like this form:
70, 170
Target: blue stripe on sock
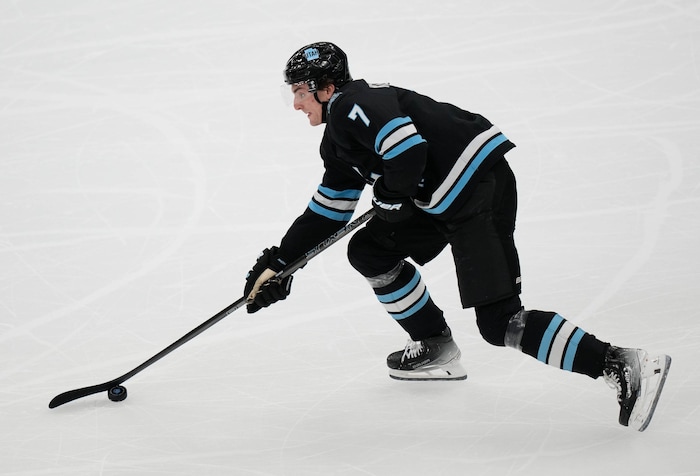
413, 309
401, 293
548, 337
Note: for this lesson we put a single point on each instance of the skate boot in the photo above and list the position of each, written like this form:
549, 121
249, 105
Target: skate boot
638, 379
435, 358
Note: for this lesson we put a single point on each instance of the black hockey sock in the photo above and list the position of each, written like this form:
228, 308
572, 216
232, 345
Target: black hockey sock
405, 297
551, 339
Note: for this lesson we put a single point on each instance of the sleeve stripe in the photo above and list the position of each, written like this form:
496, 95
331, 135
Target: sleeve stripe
330, 193
403, 146
337, 216
334, 204
397, 136
390, 127
337, 205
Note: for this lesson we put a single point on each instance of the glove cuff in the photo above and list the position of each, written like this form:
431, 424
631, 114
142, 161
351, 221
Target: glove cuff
390, 206
276, 261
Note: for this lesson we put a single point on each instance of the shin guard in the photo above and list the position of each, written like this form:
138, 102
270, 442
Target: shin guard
405, 297
553, 340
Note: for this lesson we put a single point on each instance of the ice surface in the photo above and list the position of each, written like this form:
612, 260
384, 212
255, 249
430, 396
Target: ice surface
146, 158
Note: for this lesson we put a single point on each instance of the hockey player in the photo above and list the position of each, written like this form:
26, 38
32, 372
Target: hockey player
439, 177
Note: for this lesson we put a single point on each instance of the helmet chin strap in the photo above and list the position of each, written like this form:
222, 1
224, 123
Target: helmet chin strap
324, 107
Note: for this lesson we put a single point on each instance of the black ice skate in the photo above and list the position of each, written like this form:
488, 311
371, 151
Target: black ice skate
638, 380
435, 358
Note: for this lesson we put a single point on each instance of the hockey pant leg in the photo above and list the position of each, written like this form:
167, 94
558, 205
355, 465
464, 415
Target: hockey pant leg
481, 238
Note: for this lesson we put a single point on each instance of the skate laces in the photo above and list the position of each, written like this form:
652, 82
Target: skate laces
613, 380
618, 378
413, 349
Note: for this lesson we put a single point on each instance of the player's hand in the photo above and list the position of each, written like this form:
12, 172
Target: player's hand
390, 206
261, 289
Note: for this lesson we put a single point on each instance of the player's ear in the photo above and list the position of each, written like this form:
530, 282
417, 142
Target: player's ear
326, 92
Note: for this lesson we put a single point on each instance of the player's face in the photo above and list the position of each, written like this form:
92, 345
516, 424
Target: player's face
306, 102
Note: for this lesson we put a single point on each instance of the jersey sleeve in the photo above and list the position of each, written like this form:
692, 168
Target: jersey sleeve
331, 207
375, 121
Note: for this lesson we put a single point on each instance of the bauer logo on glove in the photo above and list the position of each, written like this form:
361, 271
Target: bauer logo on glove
390, 206
387, 206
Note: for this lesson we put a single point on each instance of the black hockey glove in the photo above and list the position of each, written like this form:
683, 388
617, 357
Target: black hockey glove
390, 206
272, 290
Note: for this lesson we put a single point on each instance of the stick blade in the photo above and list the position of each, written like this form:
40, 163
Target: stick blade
71, 395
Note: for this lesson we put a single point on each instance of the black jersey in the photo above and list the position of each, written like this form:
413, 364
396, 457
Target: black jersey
429, 151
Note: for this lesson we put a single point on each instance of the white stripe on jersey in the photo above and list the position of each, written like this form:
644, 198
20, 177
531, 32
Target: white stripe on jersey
458, 168
397, 136
334, 203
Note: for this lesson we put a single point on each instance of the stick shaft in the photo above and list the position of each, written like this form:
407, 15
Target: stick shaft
71, 395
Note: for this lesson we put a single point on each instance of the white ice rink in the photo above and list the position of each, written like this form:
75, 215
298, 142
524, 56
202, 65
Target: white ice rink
146, 157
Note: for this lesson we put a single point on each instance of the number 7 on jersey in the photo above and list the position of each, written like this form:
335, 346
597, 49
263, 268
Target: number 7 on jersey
356, 112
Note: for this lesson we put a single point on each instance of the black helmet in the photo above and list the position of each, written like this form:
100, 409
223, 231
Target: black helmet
316, 64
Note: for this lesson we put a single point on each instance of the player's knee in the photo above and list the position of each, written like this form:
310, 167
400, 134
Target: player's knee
354, 250
492, 319
361, 254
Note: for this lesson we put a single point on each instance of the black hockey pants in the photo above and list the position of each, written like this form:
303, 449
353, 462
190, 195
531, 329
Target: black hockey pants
480, 236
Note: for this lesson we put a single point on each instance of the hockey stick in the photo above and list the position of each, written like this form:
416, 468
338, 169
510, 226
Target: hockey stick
71, 395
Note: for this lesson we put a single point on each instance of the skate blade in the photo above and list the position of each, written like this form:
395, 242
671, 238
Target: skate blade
450, 371
654, 371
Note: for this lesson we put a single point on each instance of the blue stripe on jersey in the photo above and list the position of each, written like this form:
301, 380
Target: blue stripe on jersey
404, 146
330, 193
333, 215
388, 128
468, 174
548, 337
571, 349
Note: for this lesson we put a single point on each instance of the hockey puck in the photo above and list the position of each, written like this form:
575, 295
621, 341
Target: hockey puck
117, 394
